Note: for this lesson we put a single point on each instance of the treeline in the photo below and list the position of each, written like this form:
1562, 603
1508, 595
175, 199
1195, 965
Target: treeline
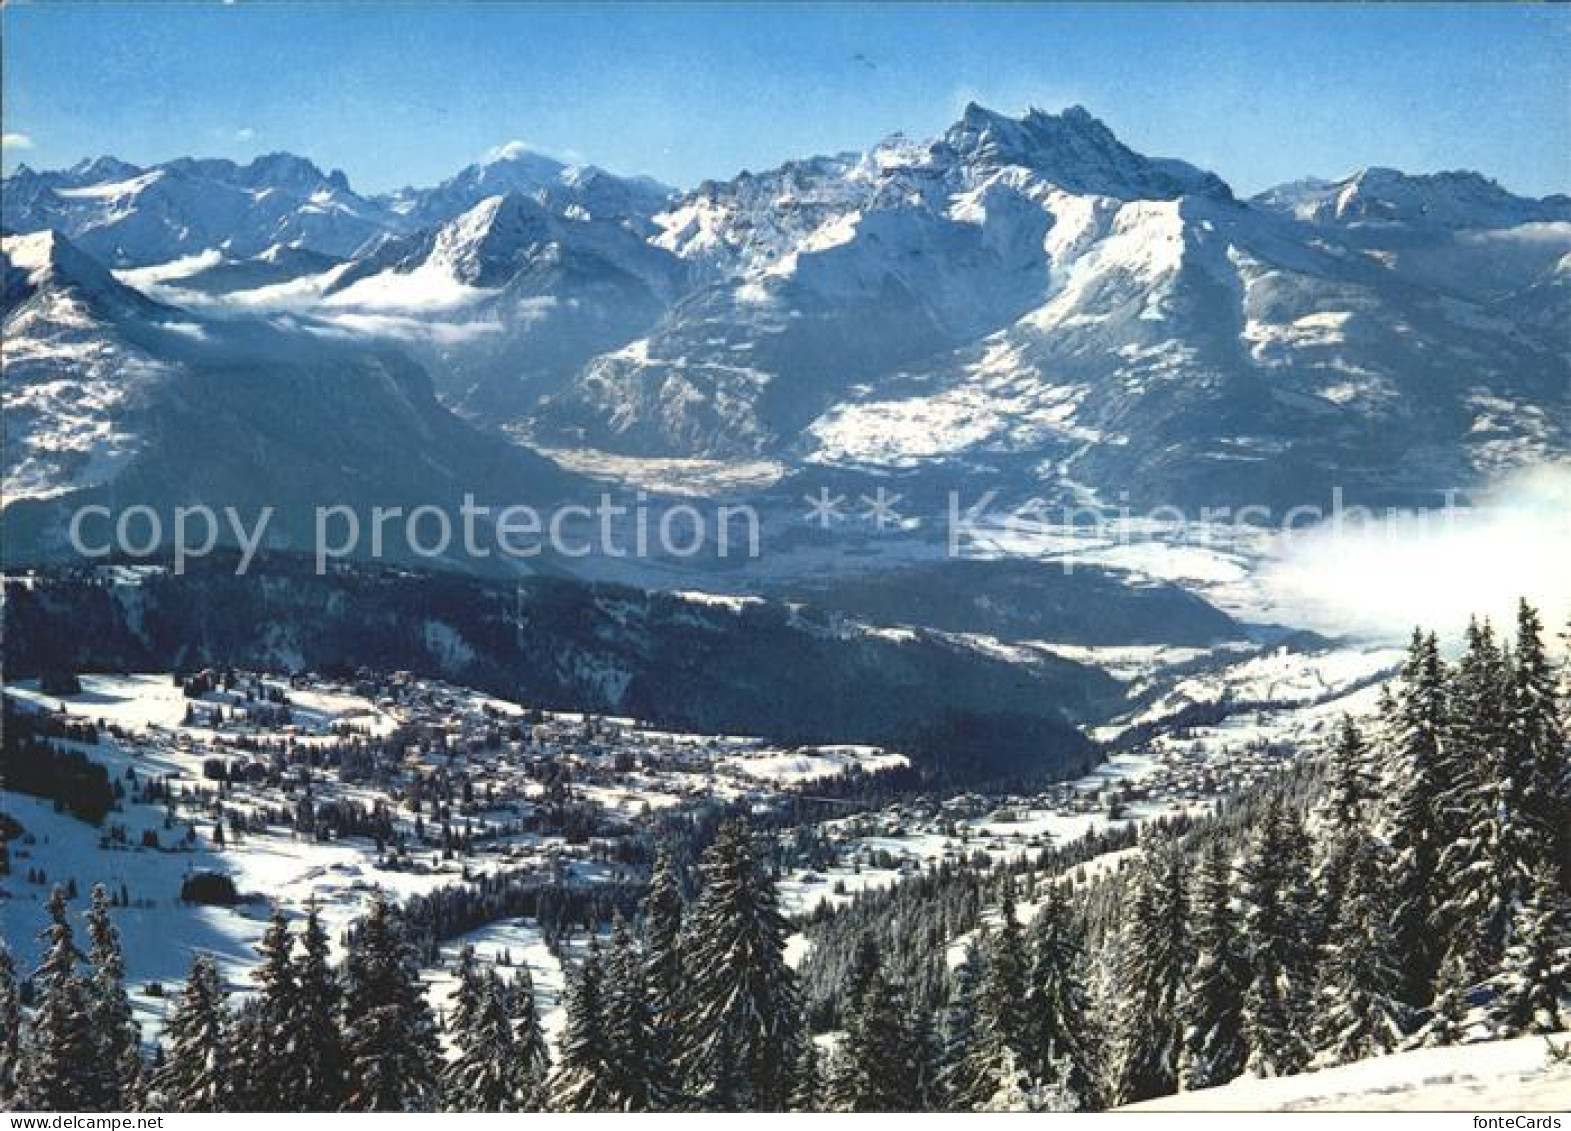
312, 1037
433, 918
911, 923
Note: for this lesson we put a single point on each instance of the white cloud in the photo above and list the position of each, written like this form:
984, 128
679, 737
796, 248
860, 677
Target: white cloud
245, 134
508, 151
16, 141
1384, 576
512, 150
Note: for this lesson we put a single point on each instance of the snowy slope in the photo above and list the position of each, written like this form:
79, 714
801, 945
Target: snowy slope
1513, 1075
507, 300
75, 387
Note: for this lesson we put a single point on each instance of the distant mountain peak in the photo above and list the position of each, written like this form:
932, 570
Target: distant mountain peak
102, 168
288, 170
1075, 150
515, 168
1453, 198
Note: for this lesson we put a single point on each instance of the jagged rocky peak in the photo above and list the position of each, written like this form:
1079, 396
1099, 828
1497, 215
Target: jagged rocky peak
286, 171
97, 169
1076, 151
289, 171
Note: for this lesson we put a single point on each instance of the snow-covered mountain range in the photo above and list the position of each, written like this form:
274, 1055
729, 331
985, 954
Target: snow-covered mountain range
1025, 297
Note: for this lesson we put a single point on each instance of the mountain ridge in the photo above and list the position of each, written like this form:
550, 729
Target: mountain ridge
1025, 299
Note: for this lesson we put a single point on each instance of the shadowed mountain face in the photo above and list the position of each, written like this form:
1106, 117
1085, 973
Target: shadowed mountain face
114, 399
1023, 301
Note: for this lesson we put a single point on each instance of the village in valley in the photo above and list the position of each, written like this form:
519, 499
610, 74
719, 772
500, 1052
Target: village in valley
227, 792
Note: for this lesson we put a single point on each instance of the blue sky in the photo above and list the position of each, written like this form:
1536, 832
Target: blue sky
409, 92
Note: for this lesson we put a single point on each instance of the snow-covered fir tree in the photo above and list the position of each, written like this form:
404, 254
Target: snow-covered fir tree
10, 1027
1474, 804
873, 1071
270, 1037
743, 1028
888, 1057
391, 1050
1342, 823
1001, 1023
958, 1025
925, 1061
481, 1076
807, 1092
1358, 1011
318, 1070
1532, 991
1537, 764
582, 1078
663, 910
1152, 966
865, 965
1211, 1009
243, 1050
1505, 810
1447, 1022
61, 1070
1019, 1090
1062, 1045
195, 1076
119, 1036
639, 1077
531, 1064
1409, 822
1275, 894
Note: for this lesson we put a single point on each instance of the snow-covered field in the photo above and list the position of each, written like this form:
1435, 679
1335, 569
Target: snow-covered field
810, 764
1514, 1075
701, 478
1279, 677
